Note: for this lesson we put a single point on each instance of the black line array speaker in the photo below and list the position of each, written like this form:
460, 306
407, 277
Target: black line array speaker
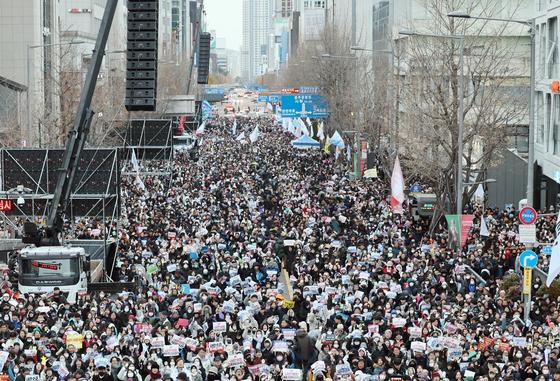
204, 57
142, 55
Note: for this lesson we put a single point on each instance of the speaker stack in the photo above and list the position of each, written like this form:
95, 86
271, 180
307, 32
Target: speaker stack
142, 55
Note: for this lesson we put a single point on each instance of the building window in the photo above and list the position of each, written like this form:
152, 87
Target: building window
555, 123
540, 119
548, 126
552, 48
542, 49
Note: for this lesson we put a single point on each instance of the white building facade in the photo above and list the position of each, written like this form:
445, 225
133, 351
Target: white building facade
547, 103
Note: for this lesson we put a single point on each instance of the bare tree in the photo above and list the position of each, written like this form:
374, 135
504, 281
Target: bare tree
345, 80
428, 141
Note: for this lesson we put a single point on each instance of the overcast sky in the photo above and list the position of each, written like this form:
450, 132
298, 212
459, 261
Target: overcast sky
225, 17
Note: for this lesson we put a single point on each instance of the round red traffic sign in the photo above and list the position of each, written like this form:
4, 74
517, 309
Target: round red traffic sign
527, 215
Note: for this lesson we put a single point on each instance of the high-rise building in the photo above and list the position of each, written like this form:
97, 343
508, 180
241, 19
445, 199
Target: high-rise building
165, 33
257, 16
180, 26
30, 46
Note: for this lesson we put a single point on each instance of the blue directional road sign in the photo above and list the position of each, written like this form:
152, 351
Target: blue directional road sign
528, 259
547, 250
304, 105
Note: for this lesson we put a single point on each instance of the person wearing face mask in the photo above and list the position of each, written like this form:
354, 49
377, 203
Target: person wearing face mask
116, 366
179, 367
155, 374
101, 374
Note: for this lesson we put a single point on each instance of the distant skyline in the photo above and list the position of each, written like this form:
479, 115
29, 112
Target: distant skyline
226, 18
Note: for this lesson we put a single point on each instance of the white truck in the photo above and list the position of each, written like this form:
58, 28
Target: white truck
43, 268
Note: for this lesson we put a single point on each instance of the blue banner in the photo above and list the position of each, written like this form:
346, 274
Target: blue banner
206, 110
304, 105
214, 90
272, 98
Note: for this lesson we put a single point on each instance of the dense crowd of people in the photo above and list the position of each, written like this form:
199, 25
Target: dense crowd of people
259, 261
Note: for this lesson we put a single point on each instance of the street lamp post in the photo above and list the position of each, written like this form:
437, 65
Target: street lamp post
460, 113
531, 153
29, 86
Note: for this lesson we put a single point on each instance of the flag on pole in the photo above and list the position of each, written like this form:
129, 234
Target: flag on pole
201, 128
327, 144
134, 161
397, 188
136, 168
297, 131
254, 135
483, 227
337, 140
206, 110
320, 132
291, 127
140, 183
554, 267
234, 128
304, 129
241, 137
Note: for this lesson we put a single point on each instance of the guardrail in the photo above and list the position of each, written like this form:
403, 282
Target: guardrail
540, 274
472, 271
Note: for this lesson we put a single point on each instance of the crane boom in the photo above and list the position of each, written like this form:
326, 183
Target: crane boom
78, 135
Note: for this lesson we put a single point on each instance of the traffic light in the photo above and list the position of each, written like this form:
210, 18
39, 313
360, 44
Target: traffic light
204, 57
142, 49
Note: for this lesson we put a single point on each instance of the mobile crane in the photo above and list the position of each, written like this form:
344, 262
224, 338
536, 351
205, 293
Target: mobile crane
48, 263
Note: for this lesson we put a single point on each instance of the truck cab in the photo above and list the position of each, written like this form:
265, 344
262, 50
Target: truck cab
41, 269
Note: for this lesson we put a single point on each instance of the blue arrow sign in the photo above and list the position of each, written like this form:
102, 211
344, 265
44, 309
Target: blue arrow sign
528, 259
547, 250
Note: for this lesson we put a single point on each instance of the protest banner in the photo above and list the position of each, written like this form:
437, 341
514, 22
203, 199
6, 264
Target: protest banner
157, 342
219, 326
236, 360
170, 350
74, 339
292, 374
215, 346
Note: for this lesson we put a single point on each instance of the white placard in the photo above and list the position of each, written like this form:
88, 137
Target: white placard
519, 341
291, 374
170, 350
343, 370
415, 332
418, 346
157, 342
236, 360
219, 326
179, 340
